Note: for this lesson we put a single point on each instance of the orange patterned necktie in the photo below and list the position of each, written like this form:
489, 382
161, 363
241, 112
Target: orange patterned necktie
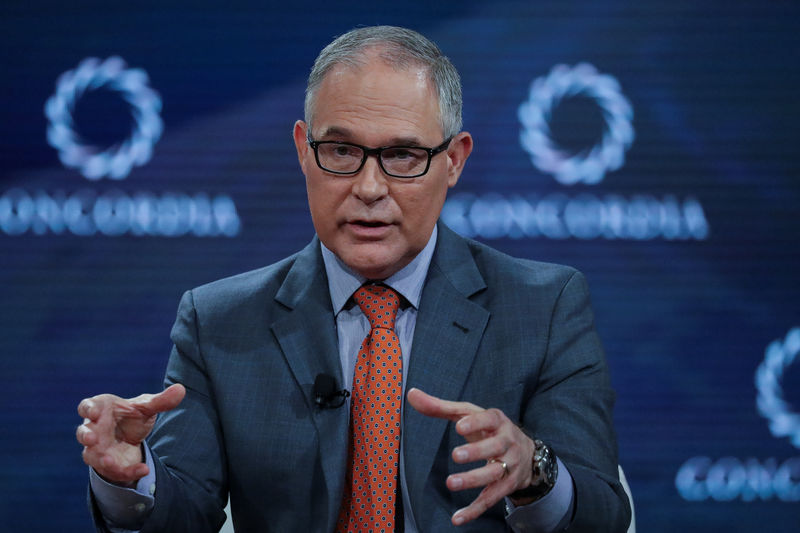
372, 475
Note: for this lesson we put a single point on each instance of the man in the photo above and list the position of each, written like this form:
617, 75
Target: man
380, 146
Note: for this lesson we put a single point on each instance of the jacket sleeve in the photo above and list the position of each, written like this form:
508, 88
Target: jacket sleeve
571, 410
188, 453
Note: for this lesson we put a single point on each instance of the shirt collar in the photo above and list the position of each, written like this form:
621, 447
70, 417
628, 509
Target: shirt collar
408, 281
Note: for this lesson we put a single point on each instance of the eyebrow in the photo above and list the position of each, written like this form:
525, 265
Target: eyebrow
347, 135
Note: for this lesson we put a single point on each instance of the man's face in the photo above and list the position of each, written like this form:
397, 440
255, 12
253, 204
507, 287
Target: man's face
376, 224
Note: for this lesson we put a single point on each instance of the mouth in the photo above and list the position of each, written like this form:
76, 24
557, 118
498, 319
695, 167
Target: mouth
370, 223
369, 229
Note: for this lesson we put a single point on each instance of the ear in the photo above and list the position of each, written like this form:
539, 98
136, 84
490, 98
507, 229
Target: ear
457, 154
301, 143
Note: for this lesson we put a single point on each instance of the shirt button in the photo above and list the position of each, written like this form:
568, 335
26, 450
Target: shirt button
139, 507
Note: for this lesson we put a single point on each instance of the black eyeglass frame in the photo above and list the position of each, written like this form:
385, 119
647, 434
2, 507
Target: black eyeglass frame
377, 153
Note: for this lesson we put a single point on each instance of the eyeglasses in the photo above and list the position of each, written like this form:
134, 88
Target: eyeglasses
398, 161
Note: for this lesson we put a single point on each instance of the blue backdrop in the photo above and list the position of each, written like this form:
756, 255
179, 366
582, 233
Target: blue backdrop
651, 144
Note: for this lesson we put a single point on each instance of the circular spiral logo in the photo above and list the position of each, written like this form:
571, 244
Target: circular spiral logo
588, 166
115, 161
783, 422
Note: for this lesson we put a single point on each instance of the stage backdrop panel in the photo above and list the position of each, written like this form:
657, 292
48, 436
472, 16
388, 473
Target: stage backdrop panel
146, 149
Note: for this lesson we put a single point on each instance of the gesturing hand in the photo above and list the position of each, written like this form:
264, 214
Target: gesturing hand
490, 437
113, 430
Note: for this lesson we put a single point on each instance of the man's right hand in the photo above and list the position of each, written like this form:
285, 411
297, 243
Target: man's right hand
114, 428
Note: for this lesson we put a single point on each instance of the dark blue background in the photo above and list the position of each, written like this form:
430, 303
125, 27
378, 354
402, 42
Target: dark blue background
685, 323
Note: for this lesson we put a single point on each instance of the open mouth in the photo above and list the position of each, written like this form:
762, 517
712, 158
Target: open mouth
369, 229
369, 224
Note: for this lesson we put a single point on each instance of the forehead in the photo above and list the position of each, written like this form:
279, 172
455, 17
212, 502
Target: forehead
376, 102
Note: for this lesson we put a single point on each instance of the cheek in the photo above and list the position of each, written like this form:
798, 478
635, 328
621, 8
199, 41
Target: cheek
326, 199
433, 198
320, 190
319, 200
421, 210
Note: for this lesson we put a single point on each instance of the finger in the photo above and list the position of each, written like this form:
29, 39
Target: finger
86, 436
89, 408
436, 407
489, 496
484, 421
95, 407
152, 404
477, 477
482, 449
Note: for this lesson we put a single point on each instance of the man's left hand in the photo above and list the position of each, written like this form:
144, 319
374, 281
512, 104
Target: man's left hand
490, 437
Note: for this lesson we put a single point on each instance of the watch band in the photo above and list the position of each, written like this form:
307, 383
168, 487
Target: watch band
545, 473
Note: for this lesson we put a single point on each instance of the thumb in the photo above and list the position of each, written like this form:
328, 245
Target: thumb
152, 404
436, 407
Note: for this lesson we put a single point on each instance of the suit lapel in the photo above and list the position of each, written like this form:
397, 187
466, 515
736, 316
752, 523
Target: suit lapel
448, 332
307, 337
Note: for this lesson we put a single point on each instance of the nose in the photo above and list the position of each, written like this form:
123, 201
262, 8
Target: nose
370, 184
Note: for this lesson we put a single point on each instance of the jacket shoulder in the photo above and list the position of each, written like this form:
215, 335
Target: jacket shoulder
501, 269
240, 290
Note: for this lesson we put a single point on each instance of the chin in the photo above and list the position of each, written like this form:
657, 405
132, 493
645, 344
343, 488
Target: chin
373, 267
374, 271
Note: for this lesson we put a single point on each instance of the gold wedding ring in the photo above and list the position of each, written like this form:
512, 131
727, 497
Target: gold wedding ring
502, 463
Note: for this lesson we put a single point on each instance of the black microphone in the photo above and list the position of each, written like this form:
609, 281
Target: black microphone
325, 394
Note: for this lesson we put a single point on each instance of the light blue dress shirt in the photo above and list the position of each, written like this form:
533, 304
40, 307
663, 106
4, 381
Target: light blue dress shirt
126, 509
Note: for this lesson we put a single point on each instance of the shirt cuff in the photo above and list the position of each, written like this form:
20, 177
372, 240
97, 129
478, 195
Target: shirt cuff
548, 514
125, 509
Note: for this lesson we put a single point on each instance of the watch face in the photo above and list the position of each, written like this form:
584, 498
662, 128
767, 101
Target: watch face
544, 465
545, 472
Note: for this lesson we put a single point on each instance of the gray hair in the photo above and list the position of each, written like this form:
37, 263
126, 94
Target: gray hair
400, 48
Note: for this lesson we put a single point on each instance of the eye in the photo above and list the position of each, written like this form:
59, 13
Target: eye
340, 151
343, 150
401, 153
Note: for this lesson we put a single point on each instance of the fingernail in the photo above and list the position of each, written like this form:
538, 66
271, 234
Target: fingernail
456, 482
458, 518
460, 455
464, 426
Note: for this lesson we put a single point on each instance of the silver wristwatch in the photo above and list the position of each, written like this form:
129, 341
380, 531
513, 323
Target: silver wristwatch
545, 473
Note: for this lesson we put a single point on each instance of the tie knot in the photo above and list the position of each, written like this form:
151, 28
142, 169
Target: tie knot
379, 304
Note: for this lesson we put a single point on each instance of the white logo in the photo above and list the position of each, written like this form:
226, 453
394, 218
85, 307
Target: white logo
115, 161
779, 355
535, 113
729, 478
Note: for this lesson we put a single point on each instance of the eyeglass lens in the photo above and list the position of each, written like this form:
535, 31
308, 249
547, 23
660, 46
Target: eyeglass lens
400, 161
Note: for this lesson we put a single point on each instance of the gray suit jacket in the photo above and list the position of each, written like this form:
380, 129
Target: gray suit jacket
493, 330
